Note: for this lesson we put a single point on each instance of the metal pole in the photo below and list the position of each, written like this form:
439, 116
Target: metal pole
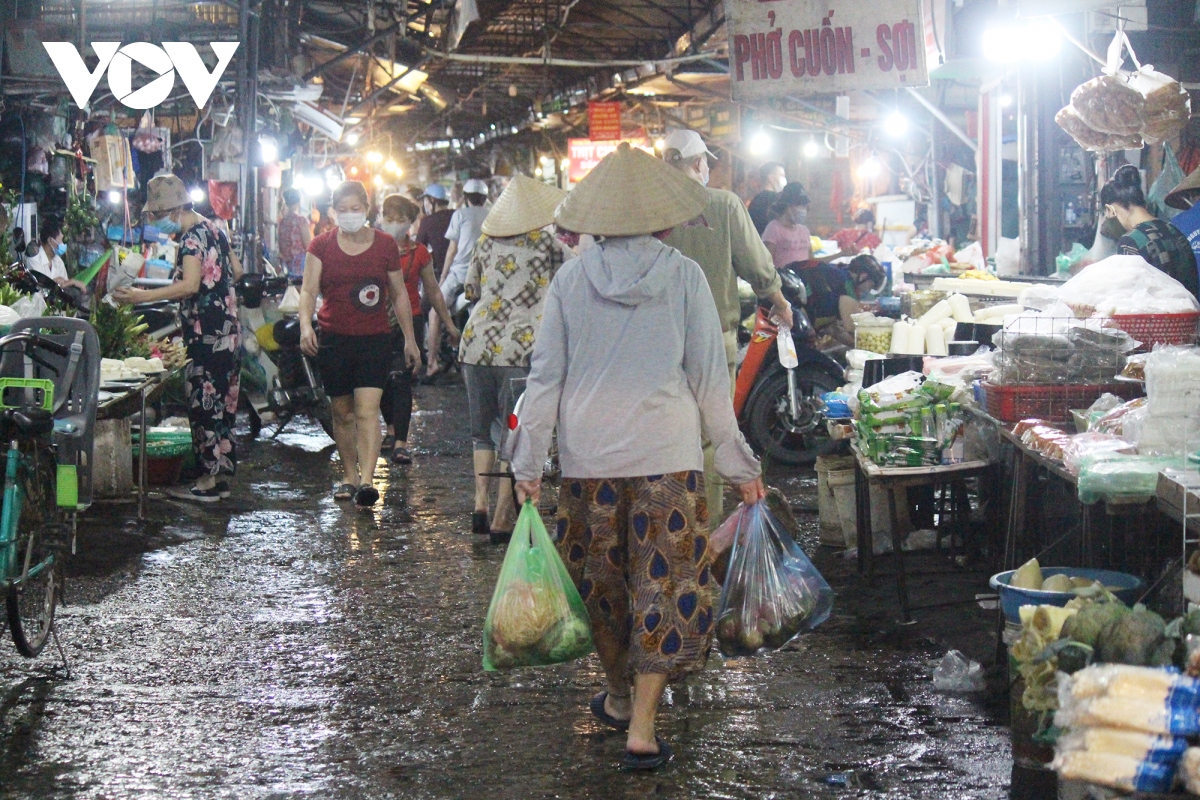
1028, 200
253, 242
942, 118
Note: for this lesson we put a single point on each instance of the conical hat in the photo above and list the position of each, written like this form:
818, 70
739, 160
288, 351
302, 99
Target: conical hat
524, 206
1189, 186
631, 193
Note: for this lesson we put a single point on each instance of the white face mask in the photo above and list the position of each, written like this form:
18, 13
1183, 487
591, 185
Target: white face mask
799, 214
351, 221
395, 229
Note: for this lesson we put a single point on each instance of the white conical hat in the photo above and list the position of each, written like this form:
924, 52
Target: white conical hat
631, 193
524, 206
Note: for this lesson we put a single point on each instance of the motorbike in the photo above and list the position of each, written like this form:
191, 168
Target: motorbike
277, 378
780, 382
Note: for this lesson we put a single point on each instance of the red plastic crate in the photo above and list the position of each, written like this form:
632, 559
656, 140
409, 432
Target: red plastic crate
1152, 329
1051, 403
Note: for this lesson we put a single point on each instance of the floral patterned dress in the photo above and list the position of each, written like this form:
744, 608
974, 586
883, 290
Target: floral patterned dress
212, 335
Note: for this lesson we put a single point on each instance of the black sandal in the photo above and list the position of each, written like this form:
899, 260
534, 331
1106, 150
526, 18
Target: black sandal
648, 761
366, 496
500, 537
345, 492
388, 445
608, 719
401, 456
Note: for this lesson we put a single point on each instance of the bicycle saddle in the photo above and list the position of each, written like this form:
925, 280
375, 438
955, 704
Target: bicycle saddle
28, 422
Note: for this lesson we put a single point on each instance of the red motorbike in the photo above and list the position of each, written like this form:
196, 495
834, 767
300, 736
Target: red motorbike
780, 383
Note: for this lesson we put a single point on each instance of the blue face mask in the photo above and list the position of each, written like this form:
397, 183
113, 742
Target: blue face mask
167, 226
60, 249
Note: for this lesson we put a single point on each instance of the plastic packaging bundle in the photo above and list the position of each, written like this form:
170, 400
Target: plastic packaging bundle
1088, 446
1092, 140
536, 616
1152, 700
1173, 381
1189, 769
1042, 349
894, 393
1111, 475
1125, 285
1166, 104
1124, 421
1108, 104
772, 592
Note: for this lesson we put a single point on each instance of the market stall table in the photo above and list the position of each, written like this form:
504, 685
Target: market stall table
133, 400
869, 475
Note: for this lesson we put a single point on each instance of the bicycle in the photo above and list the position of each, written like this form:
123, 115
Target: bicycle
48, 424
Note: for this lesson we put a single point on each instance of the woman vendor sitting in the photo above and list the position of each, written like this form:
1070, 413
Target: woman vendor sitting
834, 293
1155, 240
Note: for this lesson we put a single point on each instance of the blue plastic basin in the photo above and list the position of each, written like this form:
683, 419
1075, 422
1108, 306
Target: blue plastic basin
1128, 588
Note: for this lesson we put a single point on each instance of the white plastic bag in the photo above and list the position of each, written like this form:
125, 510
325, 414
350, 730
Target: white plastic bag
31, 306
972, 254
1125, 285
125, 273
290, 304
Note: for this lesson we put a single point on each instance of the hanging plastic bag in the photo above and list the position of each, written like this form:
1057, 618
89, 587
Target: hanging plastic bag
1170, 177
536, 616
772, 593
290, 302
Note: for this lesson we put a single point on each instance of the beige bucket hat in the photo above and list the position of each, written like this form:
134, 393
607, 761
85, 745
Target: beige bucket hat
631, 193
525, 205
165, 192
1188, 188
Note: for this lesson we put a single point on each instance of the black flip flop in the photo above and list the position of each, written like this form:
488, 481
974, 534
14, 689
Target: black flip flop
366, 496
345, 492
648, 761
608, 719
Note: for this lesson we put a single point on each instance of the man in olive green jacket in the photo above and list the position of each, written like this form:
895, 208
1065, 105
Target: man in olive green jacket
724, 242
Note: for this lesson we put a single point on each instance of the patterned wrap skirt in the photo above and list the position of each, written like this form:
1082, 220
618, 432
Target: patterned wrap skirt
637, 550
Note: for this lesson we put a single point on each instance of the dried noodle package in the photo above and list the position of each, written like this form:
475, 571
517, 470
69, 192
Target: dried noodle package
1108, 104
536, 616
1167, 105
1092, 140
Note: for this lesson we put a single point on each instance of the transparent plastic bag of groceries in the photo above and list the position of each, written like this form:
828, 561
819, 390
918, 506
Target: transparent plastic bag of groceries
772, 592
536, 616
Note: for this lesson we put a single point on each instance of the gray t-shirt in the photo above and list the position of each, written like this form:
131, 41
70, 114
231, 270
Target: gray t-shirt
465, 227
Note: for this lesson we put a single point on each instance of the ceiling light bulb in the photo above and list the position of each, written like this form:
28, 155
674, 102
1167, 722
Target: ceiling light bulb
313, 185
760, 143
1006, 100
391, 165
196, 194
353, 170
375, 157
870, 169
268, 150
811, 149
114, 197
379, 180
566, 163
538, 171
351, 139
895, 125
1011, 43
660, 143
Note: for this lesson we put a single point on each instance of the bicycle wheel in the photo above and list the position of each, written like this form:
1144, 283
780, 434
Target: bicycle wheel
32, 602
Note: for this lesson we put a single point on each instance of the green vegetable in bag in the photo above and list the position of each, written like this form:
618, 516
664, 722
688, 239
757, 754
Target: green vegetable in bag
536, 616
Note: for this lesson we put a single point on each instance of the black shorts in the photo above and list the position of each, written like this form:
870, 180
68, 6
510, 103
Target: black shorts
347, 363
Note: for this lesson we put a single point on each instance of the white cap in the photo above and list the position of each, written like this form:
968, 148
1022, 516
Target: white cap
687, 142
475, 186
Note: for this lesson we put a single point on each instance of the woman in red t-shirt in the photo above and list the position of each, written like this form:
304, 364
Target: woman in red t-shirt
356, 270
398, 214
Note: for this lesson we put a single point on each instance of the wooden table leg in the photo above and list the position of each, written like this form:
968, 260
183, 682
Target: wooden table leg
898, 553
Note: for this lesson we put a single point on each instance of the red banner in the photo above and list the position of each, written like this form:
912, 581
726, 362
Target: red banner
604, 121
585, 154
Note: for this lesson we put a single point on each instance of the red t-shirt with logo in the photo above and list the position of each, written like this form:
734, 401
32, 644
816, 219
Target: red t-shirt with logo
413, 258
355, 288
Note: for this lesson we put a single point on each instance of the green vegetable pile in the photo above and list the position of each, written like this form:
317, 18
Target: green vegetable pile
122, 332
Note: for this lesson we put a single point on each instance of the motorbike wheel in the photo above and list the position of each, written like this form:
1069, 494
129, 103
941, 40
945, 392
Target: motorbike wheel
773, 433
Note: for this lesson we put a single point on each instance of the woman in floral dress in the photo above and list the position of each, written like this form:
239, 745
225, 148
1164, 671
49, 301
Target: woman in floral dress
511, 268
205, 273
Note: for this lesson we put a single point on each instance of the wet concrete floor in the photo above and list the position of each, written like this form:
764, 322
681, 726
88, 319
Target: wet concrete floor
284, 646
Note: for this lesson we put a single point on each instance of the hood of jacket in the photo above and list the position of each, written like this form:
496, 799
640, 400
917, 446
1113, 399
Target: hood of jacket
629, 270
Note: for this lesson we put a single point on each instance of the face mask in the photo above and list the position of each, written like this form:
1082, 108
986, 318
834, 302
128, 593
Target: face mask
351, 221
799, 215
60, 249
167, 226
395, 229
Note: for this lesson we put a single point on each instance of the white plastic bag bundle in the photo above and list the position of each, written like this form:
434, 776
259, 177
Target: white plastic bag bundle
1125, 285
125, 273
290, 304
31, 306
972, 254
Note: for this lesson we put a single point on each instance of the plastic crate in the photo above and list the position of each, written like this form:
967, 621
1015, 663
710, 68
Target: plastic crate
1051, 403
1152, 329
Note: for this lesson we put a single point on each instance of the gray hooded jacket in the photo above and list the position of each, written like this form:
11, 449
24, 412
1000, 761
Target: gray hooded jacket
630, 365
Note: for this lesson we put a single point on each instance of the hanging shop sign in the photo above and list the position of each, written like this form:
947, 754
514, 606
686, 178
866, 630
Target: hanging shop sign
585, 154
802, 47
604, 121
719, 122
